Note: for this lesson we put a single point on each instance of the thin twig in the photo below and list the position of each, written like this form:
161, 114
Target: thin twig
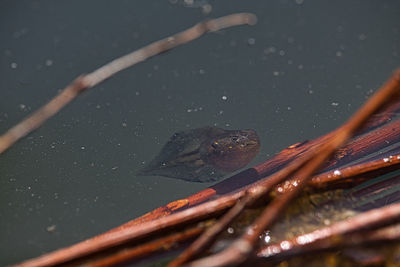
85, 82
240, 250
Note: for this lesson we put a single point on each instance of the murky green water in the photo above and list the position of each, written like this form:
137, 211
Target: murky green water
300, 72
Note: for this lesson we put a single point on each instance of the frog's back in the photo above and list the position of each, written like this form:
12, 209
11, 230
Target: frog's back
181, 157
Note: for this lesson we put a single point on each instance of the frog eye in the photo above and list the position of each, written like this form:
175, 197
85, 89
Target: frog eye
215, 145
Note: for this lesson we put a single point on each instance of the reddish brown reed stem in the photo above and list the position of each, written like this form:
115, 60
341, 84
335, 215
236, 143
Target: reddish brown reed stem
334, 234
347, 176
140, 251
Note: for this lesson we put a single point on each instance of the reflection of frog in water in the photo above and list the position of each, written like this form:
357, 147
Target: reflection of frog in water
204, 154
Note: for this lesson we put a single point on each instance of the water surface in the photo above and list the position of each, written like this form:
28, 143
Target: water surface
301, 71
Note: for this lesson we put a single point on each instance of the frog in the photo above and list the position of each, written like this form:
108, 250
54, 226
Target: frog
204, 154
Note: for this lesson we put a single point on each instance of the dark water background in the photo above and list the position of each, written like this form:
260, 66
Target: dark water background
301, 71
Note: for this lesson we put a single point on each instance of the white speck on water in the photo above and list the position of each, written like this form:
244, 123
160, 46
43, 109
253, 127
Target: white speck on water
335, 104
83, 148
49, 62
269, 50
201, 71
282, 53
339, 53
137, 93
194, 109
300, 67
289, 108
224, 97
206, 9
337, 173
276, 73
51, 228
14, 65
251, 41
299, 2
362, 37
